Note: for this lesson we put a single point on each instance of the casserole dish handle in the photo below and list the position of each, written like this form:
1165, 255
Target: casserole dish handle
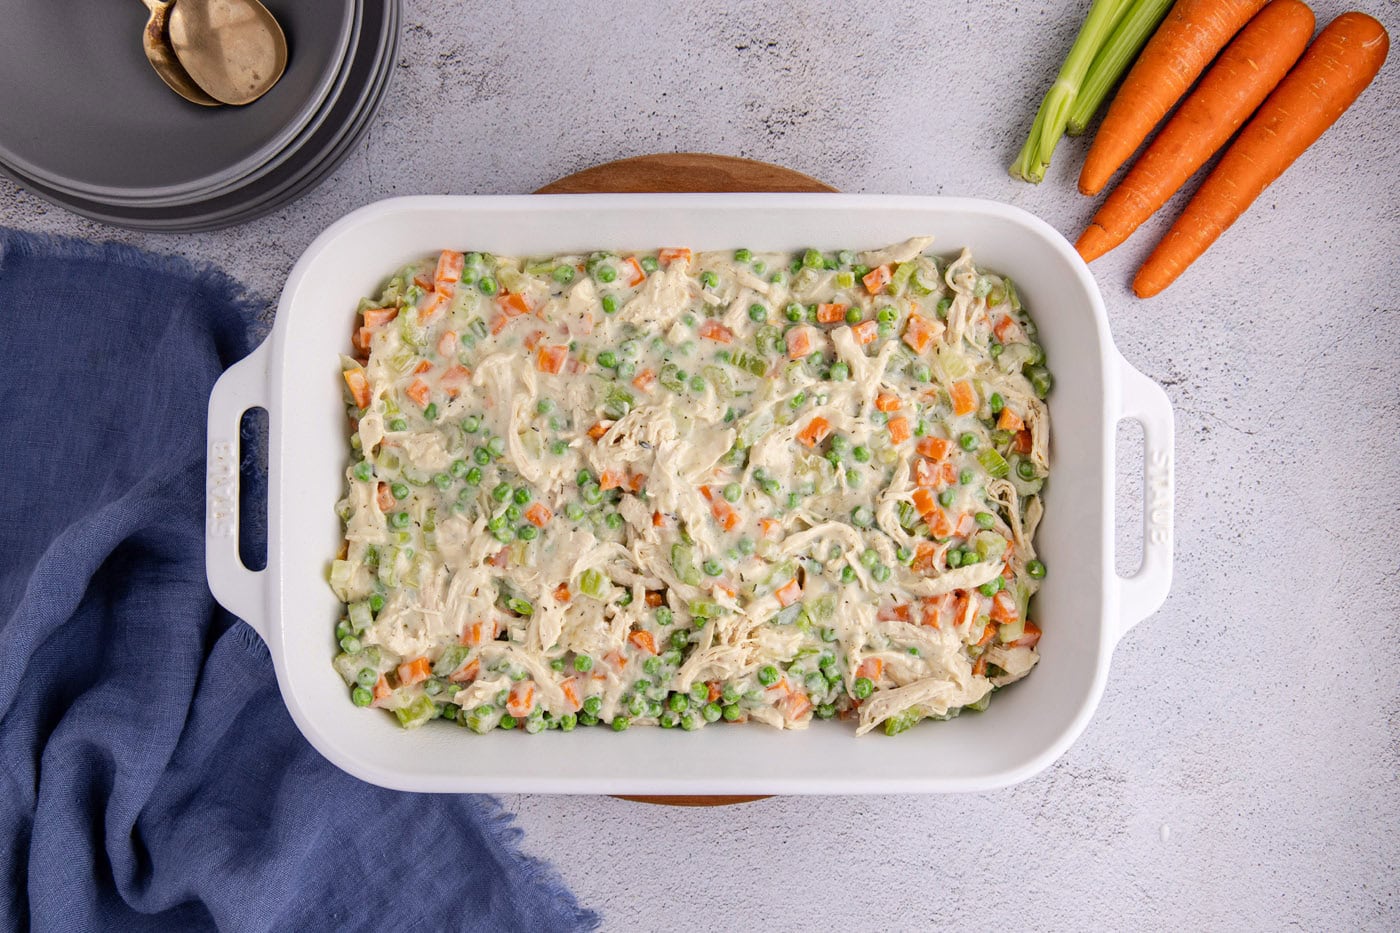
1143, 401
240, 590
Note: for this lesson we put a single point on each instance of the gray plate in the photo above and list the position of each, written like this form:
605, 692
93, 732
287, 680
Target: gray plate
370, 66
85, 114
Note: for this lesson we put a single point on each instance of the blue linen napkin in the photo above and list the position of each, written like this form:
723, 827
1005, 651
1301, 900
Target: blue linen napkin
152, 777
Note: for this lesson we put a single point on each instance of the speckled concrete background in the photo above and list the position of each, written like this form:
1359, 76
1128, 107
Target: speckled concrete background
1242, 768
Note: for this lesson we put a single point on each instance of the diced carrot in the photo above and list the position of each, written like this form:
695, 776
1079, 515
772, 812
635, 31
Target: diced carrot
1029, 639
538, 515
923, 557
636, 481
359, 387
611, 479
714, 330
453, 379
1010, 421
865, 332
550, 359
423, 282
654, 599
435, 304
950, 473
723, 589
768, 526
795, 705
447, 343
724, 513
643, 640
872, 668
789, 593
449, 268
888, 401
965, 525
979, 667
374, 317
782, 686
938, 524
638, 276
831, 313
512, 304
898, 613
599, 429
498, 323
670, 255
715, 691
616, 659
569, 688
924, 501
645, 380
1008, 331
877, 279
384, 498
381, 688
466, 674
920, 332
362, 339
934, 609
964, 398
799, 342
562, 594
935, 448
415, 671
419, 392
1023, 442
501, 559
522, 698
658, 520
988, 633
1004, 607
479, 633
422, 367
816, 431
899, 430
533, 338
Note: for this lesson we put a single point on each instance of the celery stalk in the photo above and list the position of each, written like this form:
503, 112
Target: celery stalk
1053, 115
1120, 51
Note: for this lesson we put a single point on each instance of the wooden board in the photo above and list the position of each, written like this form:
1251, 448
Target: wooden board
685, 172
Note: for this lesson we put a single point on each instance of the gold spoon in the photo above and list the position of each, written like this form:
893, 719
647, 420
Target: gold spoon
162, 56
233, 49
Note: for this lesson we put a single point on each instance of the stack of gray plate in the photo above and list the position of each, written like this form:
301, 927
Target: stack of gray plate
86, 123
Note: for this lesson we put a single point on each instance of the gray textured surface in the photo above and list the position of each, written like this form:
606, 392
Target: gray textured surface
1241, 770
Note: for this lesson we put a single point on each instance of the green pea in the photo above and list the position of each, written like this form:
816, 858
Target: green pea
813, 259
399, 490
361, 697
697, 384
885, 330
442, 481
567, 722
997, 403
759, 267
398, 424
862, 516
826, 710
609, 304
502, 492
1026, 470
848, 574
746, 546
430, 411
583, 663
863, 687
1036, 569
679, 640
880, 572
527, 532
523, 495
853, 315
853, 478
946, 497
989, 588
965, 478
613, 520
588, 719
558, 448
860, 453
743, 255
400, 520
709, 279
626, 369
879, 418
887, 315
507, 722
664, 616
713, 567
985, 519
619, 723
733, 492
563, 274
471, 424
795, 312
870, 558
605, 273
711, 712
487, 285
921, 372
592, 494
967, 440
376, 603
593, 705
757, 313
496, 446
678, 702
798, 400
363, 471
840, 372
732, 713
768, 675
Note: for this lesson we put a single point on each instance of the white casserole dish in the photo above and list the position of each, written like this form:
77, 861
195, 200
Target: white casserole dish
1083, 608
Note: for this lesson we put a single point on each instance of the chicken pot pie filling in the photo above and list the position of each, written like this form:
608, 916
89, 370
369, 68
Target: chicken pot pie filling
674, 488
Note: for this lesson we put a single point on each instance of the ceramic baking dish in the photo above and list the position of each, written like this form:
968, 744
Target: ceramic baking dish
1084, 607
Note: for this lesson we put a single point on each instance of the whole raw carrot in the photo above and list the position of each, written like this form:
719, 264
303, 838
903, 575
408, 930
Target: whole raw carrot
1235, 86
1175, 55
1333, 72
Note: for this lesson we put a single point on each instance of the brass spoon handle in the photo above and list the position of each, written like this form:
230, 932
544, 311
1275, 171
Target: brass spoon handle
162, 58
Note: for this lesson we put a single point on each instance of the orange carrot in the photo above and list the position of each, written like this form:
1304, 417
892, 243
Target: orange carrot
1003, 607
920, 332
654, 599
422, 367
1023, 442
1029, 638
637, 276
643, 640
466, 674
381, 688
447, 343
419, 392
714, 330
871, 668
562, 594
831, 313
611, 479
964, 399
795, 705
645, 380
924, 501
887, 401
876, 279
1193, 32
538, 515
668, 256
1008, 331
789, 593
512, 304
374, 317
498, 323
768, 526
1332, 73
723, 512
926, 472
1010, 421
938, 524
522, 698
384, 497
1235, 86
415, 671
816, 431
899, 613
799, 342
866, 332
570, 690
598, 430
435, 304
359, 387
899, 430
935, 448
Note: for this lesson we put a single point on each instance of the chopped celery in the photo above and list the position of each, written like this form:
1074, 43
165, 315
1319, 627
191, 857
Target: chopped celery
683, 563
989, 545
360, 616
994, 463
592, 583
900, 280
451, 659
901, 722
981, 704
417, 712
1131, 33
